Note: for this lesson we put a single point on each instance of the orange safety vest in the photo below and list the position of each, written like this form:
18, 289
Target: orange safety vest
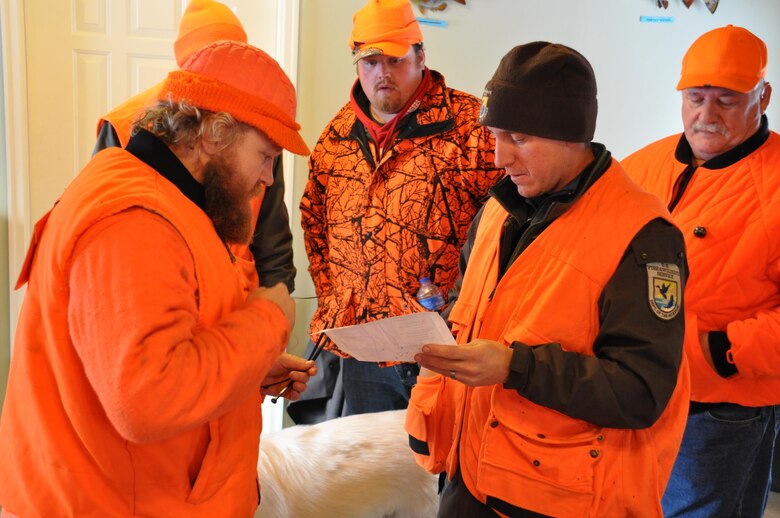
60, 453
509, 448
734, 284
121, 119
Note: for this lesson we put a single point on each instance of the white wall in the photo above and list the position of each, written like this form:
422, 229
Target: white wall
637, 65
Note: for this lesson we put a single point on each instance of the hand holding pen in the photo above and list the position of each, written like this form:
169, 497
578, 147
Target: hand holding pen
319, 346
292, 369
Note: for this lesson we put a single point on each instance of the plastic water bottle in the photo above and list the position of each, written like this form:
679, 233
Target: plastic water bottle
430, 295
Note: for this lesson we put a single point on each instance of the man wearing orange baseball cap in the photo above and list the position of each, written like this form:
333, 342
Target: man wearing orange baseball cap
140, 363
268, 259
720, 181
395, 179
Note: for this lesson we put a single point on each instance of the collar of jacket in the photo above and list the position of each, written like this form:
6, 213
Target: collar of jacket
684, 153
434, 115
157, 155
529, 217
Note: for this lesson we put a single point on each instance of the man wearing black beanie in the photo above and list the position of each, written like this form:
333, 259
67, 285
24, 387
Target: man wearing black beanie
567, 392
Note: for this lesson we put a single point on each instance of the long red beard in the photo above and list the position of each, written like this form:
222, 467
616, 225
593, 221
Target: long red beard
227, 204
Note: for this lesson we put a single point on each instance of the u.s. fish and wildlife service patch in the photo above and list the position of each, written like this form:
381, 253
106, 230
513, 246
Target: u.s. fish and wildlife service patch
663, 286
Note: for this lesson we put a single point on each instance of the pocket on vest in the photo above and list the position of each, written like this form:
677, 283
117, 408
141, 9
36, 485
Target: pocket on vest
548, 474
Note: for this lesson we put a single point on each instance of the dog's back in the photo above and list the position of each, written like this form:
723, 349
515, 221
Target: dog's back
352, 467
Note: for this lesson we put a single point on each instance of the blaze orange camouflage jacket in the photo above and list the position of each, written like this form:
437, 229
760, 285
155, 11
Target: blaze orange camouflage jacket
373, 229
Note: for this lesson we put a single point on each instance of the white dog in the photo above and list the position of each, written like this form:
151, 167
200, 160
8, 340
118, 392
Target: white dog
353, 467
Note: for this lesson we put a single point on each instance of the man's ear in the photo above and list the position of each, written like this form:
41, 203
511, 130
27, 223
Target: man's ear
766, 94
208, 146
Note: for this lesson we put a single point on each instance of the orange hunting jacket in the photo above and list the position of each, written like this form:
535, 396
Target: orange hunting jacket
371, 230
509, 448
734, 284
162, 416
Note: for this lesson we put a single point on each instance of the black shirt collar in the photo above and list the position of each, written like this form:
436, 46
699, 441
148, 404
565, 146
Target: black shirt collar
684, 153
157, 155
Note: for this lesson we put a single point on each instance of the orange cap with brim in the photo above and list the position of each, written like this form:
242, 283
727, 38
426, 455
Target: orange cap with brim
244, 81
728, 57
204, 22
384, 27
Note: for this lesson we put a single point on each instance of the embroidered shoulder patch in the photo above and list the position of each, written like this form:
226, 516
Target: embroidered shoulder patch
663, 286
483, 109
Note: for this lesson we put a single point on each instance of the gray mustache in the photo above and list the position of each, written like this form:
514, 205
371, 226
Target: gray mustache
709, 128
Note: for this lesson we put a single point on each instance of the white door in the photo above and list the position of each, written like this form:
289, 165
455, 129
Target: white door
85, 56
82, 58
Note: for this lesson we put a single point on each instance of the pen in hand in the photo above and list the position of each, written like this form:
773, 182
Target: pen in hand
312, 356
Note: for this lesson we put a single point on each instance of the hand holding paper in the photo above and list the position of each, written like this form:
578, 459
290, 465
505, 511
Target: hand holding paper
395, 339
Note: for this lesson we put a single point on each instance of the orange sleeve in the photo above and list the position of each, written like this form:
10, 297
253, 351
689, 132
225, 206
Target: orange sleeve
133, 315
314, 221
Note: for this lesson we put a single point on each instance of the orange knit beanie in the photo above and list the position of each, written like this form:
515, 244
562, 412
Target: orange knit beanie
244, 81
204, 22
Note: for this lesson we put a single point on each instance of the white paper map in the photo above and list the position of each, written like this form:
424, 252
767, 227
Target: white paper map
395, 339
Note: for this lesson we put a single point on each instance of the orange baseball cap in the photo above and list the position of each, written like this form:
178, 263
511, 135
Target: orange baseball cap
244, 81
384, 27
204, 22
727, 57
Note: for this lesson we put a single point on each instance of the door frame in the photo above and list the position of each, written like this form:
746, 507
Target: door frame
17, 149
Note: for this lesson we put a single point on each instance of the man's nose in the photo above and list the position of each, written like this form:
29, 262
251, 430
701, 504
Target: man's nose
382, 69
502, 158
708, 112
267, 172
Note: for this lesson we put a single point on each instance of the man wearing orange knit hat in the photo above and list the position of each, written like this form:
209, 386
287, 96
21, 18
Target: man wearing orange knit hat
140, 363
720, 181
395, 179
268, 258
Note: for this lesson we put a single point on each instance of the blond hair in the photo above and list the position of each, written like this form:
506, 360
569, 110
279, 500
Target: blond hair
181, 123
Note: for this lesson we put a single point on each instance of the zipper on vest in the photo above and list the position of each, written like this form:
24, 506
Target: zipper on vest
230, 252
680, 185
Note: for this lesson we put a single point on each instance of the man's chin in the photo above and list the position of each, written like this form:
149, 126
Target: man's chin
708, 148
234, 239
385, 105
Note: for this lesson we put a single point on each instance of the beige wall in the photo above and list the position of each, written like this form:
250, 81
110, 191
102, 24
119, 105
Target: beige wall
637, 64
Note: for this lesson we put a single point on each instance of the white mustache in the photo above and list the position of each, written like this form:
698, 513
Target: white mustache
709, 128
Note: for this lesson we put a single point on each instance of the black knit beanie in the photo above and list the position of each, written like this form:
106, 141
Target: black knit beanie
542, 89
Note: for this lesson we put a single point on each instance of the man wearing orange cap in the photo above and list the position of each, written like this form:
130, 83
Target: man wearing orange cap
720, 180
140, 363
268, 259
395, 179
